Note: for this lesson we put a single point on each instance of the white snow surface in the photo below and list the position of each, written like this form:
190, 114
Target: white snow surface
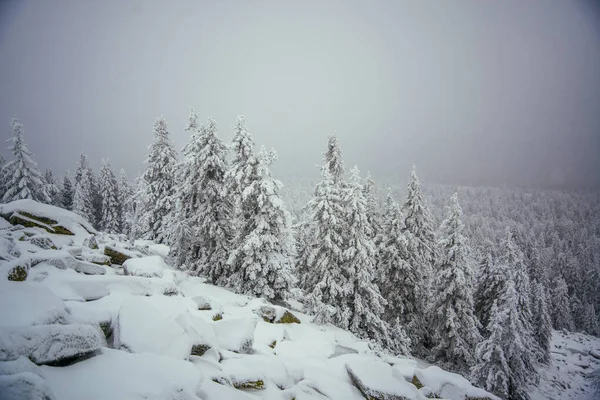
148, 267
153, 321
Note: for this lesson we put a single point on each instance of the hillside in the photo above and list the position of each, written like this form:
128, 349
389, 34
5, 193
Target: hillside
88, 315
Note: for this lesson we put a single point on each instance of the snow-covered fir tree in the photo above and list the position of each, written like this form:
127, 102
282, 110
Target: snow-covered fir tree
82, 199
590, 320
160, 181
453, 321
51, 188
513, 258
67, 192
22, 177
212, 219
333, 160
141, 215
490, 284
561, 312
401, 283
373, 215
125, 202
327, 287
366, 305
502, 359
418, 224
492, 371
263, 247
111, 205
541, 323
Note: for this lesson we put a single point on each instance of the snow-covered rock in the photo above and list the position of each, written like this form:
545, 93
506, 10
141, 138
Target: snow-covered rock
30, 303
117, 374
375, 380
49, 344
448, 385
141, 328
236, 334
24, 385
149, 267
48, 217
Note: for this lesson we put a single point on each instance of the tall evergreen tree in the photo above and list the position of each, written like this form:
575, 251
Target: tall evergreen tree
419, 228
125, 202
372, 207
51, 188
160, 181
2, 177
491, 283
454, 323
590, 322
22, 177
214, 209
327, 286
263, 245
67, 192
401, 283
333, 160
82, 199
541, 323
366, 305
502, 359
111, 206
561, 312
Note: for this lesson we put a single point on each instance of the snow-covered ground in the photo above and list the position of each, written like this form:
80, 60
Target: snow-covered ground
77, 328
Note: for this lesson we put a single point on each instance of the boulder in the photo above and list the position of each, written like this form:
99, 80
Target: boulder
147, 267
30, 303
267, 313
141, 327
200, 332
43, 242
24, 385
448, 385
90, 269
375, 381
116, 257
55, 345
276, 314
91, 242
287, 318
202, 303
236, 334
17, 273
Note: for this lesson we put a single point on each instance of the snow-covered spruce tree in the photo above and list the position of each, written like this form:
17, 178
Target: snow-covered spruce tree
333, 160
212, 218
541, 323
492, 371
111, 205
67, 192
82, 199
502, 359
125, 202
590, 321
332, 170
22, 177
490, 284
241, 173
141, 214
51, 188
418, 223
401, 284
263, 247
561, 312
160, 181
326, 285
372, 207
453, 321
513, 258
365, 303
180, 235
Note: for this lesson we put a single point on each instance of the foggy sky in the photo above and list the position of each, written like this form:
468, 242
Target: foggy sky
472, 92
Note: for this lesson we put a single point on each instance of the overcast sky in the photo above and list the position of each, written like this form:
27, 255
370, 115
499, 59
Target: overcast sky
473, 92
